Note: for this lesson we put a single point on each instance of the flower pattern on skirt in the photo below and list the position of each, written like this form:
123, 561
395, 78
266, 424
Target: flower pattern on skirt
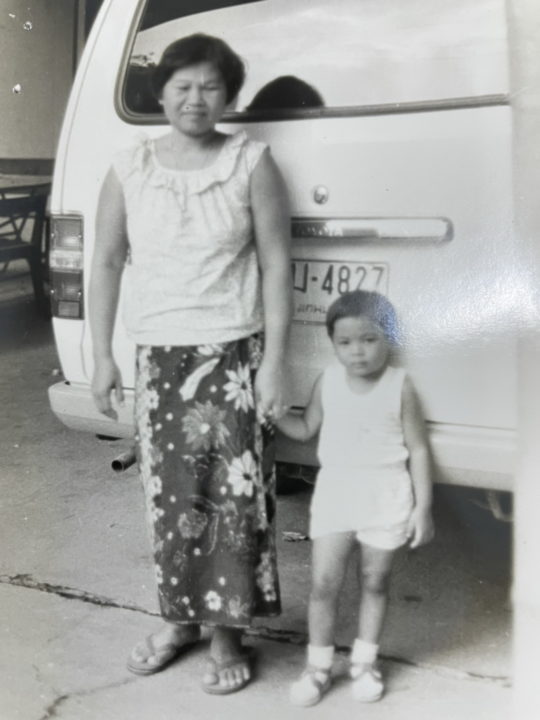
207, 468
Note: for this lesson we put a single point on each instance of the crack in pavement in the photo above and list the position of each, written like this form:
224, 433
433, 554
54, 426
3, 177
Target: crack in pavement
51, 711
291, 637
27, 581
443, 671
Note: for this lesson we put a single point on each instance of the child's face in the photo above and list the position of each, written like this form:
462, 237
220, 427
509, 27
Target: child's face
360, 346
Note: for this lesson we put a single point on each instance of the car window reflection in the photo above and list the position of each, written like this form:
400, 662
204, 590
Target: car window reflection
286, 92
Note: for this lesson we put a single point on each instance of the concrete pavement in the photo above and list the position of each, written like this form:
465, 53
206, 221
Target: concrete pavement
76, 587
66, 660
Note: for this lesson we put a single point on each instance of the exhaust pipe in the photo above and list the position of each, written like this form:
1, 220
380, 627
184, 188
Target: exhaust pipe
124, 460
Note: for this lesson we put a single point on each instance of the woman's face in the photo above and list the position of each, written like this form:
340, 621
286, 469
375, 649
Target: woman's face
194, 99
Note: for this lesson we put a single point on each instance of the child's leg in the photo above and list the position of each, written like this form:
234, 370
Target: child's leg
329, 562
330, 554
374, 567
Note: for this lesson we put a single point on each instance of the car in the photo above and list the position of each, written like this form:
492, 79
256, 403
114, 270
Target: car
391, 124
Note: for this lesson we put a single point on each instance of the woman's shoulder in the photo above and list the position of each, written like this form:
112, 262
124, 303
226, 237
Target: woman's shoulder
240, 145
133, 157
241, 140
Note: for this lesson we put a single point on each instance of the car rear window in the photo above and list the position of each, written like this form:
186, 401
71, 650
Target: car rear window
309, 57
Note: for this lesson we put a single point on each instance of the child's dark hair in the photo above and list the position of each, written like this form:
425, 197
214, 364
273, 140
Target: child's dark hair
372, 305
195, 49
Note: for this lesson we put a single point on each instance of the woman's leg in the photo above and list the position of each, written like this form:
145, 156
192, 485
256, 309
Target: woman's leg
176, 634
229, 667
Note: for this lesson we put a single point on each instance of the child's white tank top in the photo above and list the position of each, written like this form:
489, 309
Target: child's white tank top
364, 429
363, 481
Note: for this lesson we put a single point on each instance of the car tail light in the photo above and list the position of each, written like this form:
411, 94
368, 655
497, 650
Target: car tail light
66, 266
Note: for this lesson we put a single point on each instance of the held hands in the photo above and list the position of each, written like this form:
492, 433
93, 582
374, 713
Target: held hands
420, 530
269, 393
107, 379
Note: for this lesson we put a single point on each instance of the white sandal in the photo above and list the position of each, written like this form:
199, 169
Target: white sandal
367, 685
310, 687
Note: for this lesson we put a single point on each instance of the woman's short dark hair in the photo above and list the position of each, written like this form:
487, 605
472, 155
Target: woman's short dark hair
372, 305
195, 49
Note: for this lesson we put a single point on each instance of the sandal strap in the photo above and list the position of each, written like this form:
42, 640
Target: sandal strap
319, 677
216, 666
356, 671
164, 649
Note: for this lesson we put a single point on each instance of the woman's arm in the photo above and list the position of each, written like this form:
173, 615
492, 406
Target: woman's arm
271, 218
110, 251
304, 427
416, 440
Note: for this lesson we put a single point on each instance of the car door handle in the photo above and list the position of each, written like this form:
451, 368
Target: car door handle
377, 229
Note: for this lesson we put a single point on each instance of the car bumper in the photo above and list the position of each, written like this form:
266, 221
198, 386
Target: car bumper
464, 455
73, 404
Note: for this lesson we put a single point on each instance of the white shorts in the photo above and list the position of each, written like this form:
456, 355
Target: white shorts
387, 538
384, 538
377, 510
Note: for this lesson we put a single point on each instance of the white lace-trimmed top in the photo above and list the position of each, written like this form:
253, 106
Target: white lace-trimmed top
192, 275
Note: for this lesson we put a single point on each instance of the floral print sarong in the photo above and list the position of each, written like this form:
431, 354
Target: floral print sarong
208, 473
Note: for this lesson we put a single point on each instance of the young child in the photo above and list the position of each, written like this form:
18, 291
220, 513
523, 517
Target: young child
373, 488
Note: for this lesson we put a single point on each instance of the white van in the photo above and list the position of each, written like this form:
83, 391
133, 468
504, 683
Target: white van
390, 121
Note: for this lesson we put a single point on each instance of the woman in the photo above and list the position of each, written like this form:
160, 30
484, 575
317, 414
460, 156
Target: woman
197, 224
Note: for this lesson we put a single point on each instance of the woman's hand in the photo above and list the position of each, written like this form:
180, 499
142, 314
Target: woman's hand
107, 379
110, 251
421, 529
269, 391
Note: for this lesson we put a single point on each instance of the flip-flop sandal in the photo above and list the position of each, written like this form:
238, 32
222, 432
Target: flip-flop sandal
214, 667
166, 654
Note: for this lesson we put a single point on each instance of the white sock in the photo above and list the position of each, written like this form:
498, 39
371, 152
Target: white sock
364, 652
320, 657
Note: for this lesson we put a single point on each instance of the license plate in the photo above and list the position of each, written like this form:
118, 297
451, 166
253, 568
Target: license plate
317, 283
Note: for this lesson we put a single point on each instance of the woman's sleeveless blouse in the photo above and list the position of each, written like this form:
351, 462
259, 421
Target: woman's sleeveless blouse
192, 275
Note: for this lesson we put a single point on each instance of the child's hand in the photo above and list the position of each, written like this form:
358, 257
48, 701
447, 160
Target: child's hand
420, 530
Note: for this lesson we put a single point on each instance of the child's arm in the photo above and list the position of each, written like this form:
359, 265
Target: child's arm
415, 434
304, 427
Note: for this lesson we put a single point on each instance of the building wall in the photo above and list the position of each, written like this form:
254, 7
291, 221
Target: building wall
38, 46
